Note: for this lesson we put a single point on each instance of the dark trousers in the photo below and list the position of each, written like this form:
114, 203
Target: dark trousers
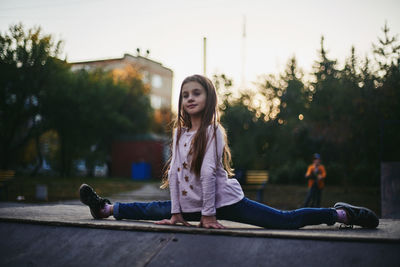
313, 198
245, 211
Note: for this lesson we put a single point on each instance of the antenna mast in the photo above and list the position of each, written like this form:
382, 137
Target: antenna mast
204, 56
243, 81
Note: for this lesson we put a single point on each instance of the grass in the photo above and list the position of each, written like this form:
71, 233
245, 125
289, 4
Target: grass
288, 197
64, 188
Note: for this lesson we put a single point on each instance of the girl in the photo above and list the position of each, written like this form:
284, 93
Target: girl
198, 179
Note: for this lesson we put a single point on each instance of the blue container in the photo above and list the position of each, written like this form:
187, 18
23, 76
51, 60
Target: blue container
141, 171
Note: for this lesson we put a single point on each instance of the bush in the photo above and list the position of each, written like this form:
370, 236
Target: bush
289, 173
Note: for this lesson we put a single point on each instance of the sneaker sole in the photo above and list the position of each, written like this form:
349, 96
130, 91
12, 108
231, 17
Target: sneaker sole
82, 188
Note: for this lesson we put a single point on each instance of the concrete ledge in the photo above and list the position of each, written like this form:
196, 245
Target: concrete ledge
79, 216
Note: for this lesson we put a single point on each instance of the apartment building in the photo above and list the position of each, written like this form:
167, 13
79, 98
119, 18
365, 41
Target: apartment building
158, 77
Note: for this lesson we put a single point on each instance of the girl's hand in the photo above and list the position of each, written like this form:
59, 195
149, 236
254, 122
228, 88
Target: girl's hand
175, 219
210, 222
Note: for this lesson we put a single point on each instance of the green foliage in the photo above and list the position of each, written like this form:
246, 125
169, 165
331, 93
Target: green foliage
350, 115
243, 130
89, 109
86, 110
27, 61
289, 172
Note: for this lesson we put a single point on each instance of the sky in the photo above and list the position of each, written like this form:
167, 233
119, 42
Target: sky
173, 31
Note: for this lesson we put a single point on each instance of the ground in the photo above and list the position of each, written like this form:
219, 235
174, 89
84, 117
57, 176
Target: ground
64, 234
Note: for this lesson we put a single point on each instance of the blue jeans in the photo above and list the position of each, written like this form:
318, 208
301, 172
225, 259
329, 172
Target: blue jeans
245, 211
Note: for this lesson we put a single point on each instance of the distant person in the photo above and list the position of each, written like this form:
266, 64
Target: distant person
198, 179
316, 175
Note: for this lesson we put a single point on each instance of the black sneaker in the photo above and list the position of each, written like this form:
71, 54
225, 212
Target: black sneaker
89, 197
359, 215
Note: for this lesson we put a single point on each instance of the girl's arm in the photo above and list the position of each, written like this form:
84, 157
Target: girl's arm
174, 191
208, 172
212, 157
173, 180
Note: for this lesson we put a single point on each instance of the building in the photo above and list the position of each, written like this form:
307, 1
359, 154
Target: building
125, 154
129, 151
158, 77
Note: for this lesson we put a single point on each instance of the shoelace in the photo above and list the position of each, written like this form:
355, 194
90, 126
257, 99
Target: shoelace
362, 214
363, 218
97, 202
359, 217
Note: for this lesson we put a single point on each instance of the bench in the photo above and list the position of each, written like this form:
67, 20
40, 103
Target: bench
257, 180
5, 176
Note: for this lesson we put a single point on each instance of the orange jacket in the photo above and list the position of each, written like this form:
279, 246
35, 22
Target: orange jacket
321, 171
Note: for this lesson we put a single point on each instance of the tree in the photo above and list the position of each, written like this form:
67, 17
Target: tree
294, 97
41, 101
90, 109
285, 129
387, 84
27, 62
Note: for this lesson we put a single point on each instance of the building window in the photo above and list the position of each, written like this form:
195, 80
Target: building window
156, 81
156, 101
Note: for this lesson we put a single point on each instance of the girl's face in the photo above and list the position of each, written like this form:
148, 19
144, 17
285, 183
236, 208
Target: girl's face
194, 98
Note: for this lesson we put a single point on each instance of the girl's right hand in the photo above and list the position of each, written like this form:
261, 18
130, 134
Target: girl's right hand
210, 222
175, 219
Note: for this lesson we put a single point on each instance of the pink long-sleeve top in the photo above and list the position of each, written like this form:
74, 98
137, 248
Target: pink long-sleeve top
213, 189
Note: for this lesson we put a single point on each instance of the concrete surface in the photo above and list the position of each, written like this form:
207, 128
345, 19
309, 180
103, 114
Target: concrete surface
64, 234
38, 245
78, 215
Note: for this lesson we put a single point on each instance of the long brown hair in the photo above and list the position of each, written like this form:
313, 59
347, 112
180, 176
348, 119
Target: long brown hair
209, 117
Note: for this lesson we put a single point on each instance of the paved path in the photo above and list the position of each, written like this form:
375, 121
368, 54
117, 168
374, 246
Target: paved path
64, 234
146, 192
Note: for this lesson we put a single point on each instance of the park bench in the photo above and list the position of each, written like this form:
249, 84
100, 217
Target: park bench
5, 177
257, 180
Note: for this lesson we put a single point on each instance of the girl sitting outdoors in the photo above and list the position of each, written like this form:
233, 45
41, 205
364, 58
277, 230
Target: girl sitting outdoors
198, 179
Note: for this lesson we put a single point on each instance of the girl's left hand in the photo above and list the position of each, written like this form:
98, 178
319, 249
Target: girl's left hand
175, 219
210, 222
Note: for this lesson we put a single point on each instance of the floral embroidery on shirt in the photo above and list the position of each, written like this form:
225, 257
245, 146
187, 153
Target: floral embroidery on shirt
187, 178
191, 187
179, 169
184, 165
184, 192
184, 145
